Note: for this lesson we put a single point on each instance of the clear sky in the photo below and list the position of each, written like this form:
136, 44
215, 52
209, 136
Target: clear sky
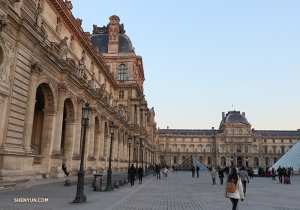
202, 58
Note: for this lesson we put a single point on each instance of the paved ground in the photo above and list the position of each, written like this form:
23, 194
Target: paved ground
177, 191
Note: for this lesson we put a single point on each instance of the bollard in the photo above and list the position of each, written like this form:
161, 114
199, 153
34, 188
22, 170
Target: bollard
67, 183
97, 182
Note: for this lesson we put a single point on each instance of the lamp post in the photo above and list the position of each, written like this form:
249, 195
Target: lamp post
129, 144
137, 152
80, 197
143, 147
109, 186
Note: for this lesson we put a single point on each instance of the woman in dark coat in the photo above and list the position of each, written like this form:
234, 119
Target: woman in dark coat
221, 175
141, 173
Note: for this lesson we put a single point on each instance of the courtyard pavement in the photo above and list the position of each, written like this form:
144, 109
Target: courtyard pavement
177, 191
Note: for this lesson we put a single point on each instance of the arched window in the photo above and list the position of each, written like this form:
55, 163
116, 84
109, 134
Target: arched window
122, 72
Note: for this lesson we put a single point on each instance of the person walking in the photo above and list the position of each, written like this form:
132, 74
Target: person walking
157, 168
238, 194
273, 174
244, 177
280, 174
165, 172
221, 175
213, 175
132, 172
64, 168
197, 171
251, 172
141, 174
193, 172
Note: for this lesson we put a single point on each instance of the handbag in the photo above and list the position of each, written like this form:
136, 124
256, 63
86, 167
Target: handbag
230, 187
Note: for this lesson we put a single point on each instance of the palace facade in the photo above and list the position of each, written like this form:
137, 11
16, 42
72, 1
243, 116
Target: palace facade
234, 143
49, 69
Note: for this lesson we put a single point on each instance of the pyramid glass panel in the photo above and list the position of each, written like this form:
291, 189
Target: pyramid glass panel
290, 159
189, 162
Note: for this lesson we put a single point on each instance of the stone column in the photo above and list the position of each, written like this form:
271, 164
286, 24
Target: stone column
101, 149
36, 69
92, 133
59, 119
69, 140
78, 127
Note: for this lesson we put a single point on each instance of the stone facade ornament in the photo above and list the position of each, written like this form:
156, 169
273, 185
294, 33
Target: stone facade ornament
36, 67
81, 68
69, 4
39, 16
3, 22
111, 99
63, 49
5, 71
93, 82
63, 87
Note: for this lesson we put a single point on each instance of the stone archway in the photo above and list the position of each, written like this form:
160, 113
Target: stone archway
42, 127
255, 161
42, 120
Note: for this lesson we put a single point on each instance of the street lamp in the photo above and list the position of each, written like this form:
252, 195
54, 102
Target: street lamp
80, 197
129, 143
143, 147
137, 152
109, 186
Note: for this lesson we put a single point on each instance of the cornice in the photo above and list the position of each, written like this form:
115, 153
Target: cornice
67, 15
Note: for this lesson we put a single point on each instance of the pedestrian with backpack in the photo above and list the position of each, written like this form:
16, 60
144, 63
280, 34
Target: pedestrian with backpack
236, 193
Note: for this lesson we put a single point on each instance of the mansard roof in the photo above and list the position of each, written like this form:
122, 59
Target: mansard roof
187, 132
274, 133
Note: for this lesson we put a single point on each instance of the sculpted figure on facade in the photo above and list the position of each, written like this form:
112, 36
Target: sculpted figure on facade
3, 22
93, 82
111, 99
5, 72
81, 67
39, 16
63, 49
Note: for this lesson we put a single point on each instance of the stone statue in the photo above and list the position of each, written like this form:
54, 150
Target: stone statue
93, 80
5, 73
39, 17
3, 22
111, 99
81, 67
63, 49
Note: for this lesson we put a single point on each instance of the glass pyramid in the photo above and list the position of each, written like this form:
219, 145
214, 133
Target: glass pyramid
290, 159
189, 162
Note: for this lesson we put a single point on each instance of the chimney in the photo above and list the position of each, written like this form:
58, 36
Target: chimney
113, 31
223, 115
243, 113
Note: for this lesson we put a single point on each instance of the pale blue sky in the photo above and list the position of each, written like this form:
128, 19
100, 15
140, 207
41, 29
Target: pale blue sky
200, 57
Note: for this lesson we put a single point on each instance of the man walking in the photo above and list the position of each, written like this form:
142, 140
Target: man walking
197, 171
157, 171
244, 177
132, 172
280, 172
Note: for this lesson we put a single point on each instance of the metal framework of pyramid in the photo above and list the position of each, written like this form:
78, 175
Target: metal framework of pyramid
290, 159
189, 162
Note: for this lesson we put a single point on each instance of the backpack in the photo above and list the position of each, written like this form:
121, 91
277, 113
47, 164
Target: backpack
230, 187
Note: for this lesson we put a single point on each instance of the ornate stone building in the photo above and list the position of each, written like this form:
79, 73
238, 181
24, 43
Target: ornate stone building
49, 68
234, 143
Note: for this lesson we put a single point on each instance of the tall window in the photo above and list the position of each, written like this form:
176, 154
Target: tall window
238, 148
246, 149
121, 94
122, 72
